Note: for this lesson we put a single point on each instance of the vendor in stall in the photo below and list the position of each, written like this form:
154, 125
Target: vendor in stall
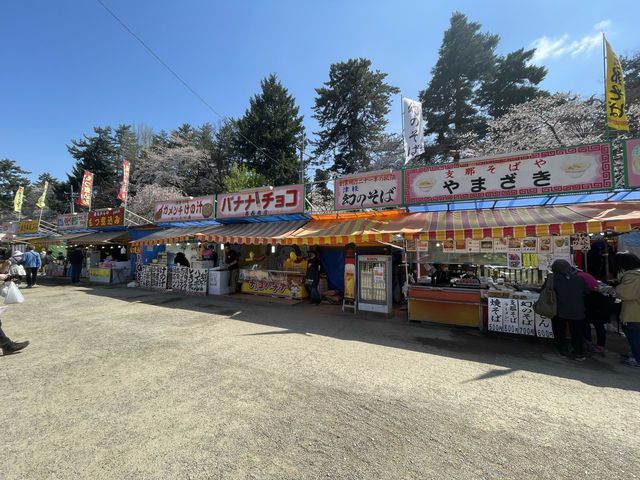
468, 274
441, 275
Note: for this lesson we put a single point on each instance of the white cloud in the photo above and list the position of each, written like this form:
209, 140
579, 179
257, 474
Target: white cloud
557, 47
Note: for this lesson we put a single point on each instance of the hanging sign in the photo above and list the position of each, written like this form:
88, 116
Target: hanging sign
28, 226
124, 187
371, 190
631, 162
106, 217
184, 209
261, 202
76, 221
563, 170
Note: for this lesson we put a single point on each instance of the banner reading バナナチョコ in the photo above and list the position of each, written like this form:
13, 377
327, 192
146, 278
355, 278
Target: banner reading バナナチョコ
581, 168
261, 202
181, 209
368, 191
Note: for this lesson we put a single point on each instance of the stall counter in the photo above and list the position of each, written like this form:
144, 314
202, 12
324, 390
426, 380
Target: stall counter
273, 283
449, 305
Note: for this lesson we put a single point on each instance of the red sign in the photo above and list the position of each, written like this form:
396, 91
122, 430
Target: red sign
107, 217
124, 188
85, 191
261, 202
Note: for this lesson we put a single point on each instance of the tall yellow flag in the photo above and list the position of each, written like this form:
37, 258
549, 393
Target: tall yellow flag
40, 202
17, 200
616, 108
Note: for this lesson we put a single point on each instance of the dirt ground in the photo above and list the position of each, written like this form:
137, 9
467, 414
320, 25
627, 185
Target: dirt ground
132, 384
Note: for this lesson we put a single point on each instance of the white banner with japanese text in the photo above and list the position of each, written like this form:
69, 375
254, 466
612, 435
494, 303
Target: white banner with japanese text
413, 130
564, 170
261, 202
182, 209
368, 191
72, 221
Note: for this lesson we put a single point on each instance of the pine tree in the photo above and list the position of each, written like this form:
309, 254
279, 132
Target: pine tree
351, 110
11, 177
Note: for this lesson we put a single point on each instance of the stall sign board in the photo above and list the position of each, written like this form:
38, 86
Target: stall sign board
632, 162
372, 190
184, 209
581, 168
526, 317
106, 218
580, 241
9, 228
28, 226
72, 221
501, 245
510, 315
152, 276
197, 281
543, 327
261, 202
288, 289
495, 317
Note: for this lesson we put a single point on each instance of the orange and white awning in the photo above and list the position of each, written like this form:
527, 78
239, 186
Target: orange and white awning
170, 235
259, 233
531, 221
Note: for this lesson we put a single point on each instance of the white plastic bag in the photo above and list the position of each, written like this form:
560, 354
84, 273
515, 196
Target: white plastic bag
4, 290
14, 295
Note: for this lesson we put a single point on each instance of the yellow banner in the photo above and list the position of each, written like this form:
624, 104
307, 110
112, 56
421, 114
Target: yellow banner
615, 98
17, 200
40, 202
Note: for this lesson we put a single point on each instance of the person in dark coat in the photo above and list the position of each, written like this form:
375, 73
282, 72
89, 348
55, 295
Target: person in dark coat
75, 259
181, 260
312, 279
441, 275
8, 346
570, 291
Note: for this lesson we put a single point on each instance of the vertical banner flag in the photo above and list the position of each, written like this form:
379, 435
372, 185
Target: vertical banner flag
412, 123
615, 98
17, 200
124, 188
40, 202
85, 191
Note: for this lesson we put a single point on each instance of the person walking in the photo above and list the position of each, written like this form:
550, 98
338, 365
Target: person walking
231, 262
628, 264
312, 279
7, 345
75, 259
570, 291
31, 262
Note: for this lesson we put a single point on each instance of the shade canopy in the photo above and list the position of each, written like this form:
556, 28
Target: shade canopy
170, 235
252, 233
101, 238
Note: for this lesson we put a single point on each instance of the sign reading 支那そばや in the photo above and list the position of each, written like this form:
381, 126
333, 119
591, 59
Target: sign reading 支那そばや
190, 208
261, 202
106, 217
563, 170
368, 191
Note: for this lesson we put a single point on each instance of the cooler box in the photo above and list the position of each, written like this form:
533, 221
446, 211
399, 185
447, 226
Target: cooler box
218, 282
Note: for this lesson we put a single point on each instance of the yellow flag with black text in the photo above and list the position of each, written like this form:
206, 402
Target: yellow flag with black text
17, 200
614, 95
40, 202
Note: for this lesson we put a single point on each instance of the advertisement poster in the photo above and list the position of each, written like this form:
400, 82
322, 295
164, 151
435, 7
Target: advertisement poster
632, 162
526, 317
561, 245
580, 241
515, 245
510, 317
545, 245
460, 246
564, 170
84, 198
473, 246
501, 245
350, 271
544, 261
106, 217
368, 191
543, 327
514, 260
495, 314
182, 209
530, 245
77, 221
448, 246
28, 226
261, 202
486, 245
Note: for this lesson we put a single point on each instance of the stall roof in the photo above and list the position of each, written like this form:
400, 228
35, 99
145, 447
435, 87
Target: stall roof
62, 238
254, 233
170, 235
102, 238
531, 221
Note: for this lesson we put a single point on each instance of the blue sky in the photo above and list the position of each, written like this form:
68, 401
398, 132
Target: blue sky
69, 66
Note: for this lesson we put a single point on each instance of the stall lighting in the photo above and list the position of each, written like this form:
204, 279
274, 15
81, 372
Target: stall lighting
222, 246
178, 244
437, 244
273, 249
591, 234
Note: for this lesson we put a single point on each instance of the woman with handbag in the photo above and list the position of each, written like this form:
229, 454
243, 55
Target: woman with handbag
629, 292
570, 290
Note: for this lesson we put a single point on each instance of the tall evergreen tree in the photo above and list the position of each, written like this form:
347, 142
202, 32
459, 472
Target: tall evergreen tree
466, 60
11, 177
351, 110
269, 133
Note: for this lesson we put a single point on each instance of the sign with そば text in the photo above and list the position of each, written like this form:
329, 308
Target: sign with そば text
563, 170
373, 190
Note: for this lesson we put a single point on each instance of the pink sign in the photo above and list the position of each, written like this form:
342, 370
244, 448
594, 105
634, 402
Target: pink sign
261, 201
184, 209
75, 221
368, 191
632, 162
563, 170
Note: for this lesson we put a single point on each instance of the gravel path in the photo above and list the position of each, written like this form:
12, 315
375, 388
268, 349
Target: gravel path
132, 384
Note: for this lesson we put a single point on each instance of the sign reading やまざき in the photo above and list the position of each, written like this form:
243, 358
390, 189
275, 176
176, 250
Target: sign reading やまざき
261, 202
563, 170
376, 189
191, 208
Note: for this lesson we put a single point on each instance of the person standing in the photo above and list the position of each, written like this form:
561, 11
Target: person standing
312, 279
8, 346
31, 262
75, 259
570, 291
628, 291
441, 275
231, 262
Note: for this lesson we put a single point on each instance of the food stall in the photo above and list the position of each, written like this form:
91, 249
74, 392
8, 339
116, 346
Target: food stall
106, 259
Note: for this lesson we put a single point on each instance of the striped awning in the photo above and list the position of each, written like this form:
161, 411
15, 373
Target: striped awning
170, 235
260, 233
531, 221
357, 228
